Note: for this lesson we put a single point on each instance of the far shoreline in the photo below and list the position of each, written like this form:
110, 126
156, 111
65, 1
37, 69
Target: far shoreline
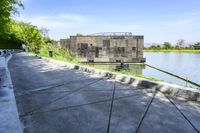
173, 50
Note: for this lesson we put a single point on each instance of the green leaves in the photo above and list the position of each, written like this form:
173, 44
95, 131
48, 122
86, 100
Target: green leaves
16, 33
7, 8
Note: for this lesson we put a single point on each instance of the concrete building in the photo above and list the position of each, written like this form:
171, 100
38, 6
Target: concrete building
65, 43
56, 43
106, 47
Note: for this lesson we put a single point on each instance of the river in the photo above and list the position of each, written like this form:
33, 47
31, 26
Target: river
186, 65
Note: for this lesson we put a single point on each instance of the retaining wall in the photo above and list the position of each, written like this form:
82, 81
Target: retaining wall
167, 88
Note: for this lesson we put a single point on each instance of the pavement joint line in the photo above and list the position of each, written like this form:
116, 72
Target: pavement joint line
53, 91
42, 88
146, 111
59, 98
111, 108
81, 105
182, 114
44, 92
89, 103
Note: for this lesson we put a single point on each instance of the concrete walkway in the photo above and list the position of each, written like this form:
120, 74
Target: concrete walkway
55, 99
9, 118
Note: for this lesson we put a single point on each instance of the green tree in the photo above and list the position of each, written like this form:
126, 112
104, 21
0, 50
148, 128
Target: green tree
79, 34
167, 45
180, 43
7, 8
155, 47
28, 34
196, 45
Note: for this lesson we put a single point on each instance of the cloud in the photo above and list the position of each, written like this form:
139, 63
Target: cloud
171, 29
63, 25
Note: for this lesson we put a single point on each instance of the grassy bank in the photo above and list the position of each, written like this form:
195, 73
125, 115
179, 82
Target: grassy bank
63, 54
173, 50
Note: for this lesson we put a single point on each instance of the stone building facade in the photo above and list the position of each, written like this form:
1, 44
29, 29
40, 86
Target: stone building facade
106, 47
115, 47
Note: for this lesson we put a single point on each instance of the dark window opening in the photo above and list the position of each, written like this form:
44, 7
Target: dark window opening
119, 37
126, 43
106, 43
82, 49
91, 60
133, 48
121, 50
96, 52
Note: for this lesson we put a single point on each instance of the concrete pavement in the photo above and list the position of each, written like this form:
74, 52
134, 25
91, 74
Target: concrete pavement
9, 118
55, 99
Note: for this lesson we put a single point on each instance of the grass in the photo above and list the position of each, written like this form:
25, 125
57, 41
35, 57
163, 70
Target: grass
63, 55
173, 50
74, 61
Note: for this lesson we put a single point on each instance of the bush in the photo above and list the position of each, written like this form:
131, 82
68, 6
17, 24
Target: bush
59, 53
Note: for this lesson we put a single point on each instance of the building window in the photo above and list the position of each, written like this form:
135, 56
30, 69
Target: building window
126, 43
84, 46
120, 50
82, 49
91, 61
133, 48
96, 52
118, 37
106, 43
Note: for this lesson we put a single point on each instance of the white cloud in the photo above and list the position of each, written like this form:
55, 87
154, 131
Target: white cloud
63, 25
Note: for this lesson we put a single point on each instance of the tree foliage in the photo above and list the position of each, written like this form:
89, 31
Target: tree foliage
28, 34
7, 8
196, 45
15, 33
180, 43
167, 45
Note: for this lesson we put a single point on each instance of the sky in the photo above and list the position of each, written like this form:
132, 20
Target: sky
158, 20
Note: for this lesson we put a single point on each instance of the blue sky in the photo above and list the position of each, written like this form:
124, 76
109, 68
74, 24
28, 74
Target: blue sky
157, 20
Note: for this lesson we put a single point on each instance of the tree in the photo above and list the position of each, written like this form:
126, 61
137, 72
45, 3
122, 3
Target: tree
44, 31
167, 45
7, 8
155, 47
180, 43
28, 34
196, 45
79, 34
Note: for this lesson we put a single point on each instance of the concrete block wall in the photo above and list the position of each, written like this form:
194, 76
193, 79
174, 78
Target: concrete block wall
166, 88
110, 54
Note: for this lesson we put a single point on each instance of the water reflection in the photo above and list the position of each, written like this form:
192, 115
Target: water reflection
134, 69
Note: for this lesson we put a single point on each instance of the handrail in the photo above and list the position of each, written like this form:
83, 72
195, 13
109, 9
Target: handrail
187, 80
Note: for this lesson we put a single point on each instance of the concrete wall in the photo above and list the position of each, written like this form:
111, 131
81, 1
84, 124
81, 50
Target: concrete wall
65, 43
108, 48
166, 88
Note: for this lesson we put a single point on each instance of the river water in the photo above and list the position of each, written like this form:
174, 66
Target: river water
186, 65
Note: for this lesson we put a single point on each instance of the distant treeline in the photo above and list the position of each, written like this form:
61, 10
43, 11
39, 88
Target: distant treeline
180, 45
